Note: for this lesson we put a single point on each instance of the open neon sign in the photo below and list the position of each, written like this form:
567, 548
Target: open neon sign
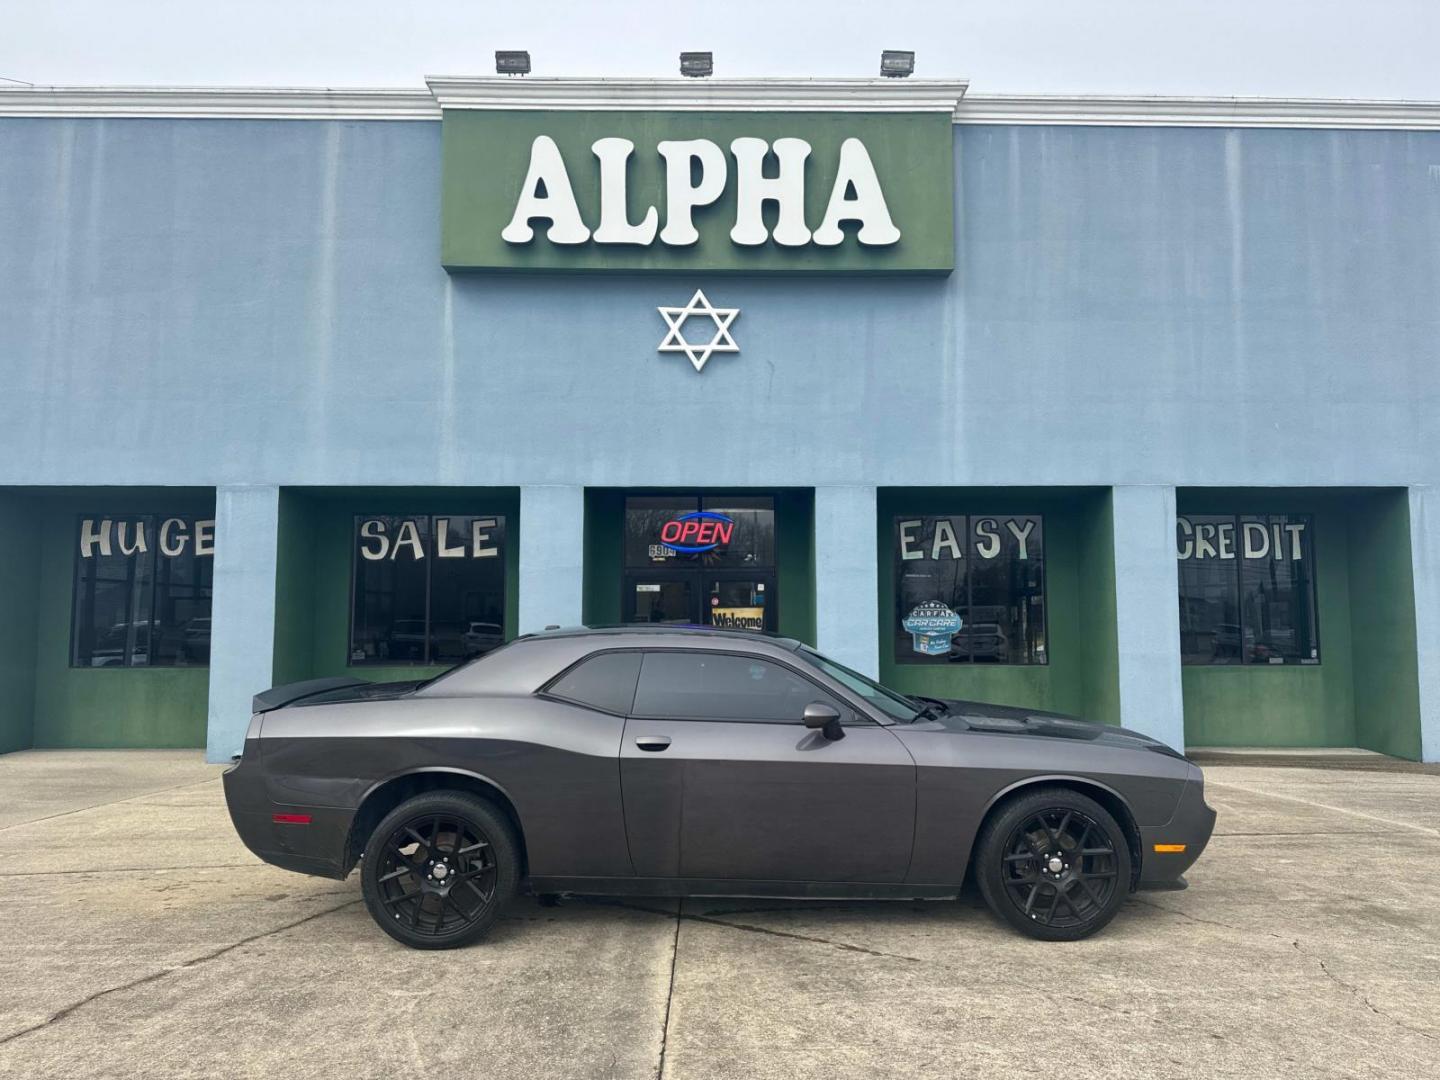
700, 530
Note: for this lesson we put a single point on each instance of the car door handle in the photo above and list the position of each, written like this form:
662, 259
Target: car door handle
653, 742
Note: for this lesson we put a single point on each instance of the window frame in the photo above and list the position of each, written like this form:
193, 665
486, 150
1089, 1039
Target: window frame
910, 660
501, 556
857, 717
1237, 517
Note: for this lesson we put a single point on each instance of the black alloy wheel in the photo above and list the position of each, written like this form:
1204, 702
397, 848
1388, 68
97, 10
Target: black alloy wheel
1054, 864
438, 869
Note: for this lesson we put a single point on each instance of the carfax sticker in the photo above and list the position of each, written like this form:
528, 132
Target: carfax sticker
931, 625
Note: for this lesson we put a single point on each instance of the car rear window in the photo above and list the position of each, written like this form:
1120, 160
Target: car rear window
605, 681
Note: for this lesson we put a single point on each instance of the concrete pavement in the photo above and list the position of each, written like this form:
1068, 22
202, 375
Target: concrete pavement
139, 939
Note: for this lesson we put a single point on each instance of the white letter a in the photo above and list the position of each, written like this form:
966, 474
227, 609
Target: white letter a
868, 207
557, 204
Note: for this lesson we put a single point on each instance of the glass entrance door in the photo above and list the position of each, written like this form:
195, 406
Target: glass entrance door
705, 560
740, 603
652, 598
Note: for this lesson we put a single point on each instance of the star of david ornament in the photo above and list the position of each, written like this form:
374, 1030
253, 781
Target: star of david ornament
721, 341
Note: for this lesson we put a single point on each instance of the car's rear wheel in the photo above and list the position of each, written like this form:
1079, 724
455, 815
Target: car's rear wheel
1054, 864
438, 870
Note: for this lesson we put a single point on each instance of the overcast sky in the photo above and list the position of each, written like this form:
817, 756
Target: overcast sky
1305, 48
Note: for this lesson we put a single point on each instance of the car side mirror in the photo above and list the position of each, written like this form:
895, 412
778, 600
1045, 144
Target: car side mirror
824, 719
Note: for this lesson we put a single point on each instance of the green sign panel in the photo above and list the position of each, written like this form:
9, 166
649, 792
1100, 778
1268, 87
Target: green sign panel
746, 192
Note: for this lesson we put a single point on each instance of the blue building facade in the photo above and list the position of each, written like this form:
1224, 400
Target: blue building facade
1166, 338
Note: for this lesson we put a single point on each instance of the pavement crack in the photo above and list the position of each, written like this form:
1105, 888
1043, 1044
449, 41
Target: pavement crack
1360, 995
133, 869
155, 976
115, 802
1350, 988
842, 945
669, 995
1203, 922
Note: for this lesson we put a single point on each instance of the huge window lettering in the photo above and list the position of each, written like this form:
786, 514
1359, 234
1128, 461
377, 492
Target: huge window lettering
142, 591
970, 589
1247, 589
428, 589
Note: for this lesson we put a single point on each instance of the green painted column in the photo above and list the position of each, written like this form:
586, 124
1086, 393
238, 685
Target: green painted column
1147, 613
242, 638
19, 596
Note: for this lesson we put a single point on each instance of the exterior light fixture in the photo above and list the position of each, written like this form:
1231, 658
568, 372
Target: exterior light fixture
512, 62
897, 63
697, 65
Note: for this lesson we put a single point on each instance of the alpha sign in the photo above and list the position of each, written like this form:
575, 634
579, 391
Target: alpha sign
753, 192
696, 173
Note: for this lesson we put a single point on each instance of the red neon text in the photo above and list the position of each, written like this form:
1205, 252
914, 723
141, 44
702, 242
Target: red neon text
697, 532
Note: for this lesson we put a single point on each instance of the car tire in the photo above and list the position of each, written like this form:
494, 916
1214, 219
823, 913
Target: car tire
439, 869
1053, 863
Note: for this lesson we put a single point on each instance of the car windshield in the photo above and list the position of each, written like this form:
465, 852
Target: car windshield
896, 705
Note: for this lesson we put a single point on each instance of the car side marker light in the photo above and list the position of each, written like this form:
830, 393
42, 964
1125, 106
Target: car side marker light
1170, 849
291, 819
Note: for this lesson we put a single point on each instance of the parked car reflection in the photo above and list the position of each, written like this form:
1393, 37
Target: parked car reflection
980, 641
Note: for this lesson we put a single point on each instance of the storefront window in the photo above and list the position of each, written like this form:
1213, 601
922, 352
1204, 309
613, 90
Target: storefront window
969, 589
1247, 589
428, 589
142, 591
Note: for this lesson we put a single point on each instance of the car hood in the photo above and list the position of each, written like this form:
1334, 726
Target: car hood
983, 716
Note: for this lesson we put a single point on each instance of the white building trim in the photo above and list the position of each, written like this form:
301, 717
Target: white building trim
218, 103
699, 95
730, 95
1237, 112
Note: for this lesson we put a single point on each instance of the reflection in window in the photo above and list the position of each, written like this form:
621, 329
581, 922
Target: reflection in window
713, 686
970, 589
1247, 589
428, 589
142, 591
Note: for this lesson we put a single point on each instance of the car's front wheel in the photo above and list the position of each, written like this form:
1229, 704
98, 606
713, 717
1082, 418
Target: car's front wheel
1054, 864
439, 868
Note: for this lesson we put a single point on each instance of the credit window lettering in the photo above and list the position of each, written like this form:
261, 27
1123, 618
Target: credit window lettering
142, 591
970, 589
428, 589
1247, 589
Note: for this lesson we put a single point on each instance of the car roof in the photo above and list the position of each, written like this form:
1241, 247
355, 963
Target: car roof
533, 659
691, 633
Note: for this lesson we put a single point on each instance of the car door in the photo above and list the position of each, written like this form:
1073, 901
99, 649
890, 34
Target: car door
722, 780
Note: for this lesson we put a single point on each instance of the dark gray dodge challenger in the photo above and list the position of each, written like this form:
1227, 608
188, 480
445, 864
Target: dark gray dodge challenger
680, 761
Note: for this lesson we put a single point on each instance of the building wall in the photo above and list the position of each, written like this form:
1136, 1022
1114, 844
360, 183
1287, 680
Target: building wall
208, 303
211, 302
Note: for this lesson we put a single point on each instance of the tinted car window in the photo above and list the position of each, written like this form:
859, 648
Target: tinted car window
603, 682
715, 686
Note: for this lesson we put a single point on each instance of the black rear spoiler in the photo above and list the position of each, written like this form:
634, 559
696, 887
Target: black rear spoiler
277, 697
